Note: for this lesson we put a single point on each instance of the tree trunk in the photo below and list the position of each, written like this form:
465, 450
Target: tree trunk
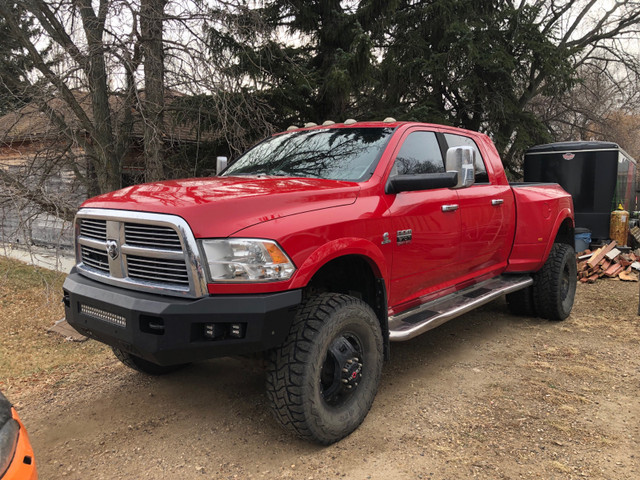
151, 20
109, 166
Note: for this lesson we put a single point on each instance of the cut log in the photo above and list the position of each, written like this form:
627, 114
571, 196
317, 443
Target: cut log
592, 278
628, 277
613, 254
599, 254
614, 270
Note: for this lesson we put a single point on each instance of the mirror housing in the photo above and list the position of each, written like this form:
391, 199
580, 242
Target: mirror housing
462, 160
221, 164
428, 181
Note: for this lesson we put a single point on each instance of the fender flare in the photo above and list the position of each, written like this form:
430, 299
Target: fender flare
339, 248
563, 215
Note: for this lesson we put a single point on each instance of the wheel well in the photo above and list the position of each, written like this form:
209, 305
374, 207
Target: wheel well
353, 275
566, 233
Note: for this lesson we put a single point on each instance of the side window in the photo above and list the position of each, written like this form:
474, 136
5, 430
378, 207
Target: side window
419, 153
460, 141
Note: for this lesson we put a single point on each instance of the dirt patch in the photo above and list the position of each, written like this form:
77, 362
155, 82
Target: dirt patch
488, 395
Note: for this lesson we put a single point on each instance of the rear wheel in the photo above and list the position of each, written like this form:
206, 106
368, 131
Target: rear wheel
144, 366
554, 288
521, 302
322, 380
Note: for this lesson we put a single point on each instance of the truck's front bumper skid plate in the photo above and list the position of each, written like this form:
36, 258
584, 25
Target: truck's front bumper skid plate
169, 330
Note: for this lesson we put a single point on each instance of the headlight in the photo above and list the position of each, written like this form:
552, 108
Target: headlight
246, 260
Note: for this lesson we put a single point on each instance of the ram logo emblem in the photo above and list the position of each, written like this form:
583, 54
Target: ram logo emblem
113, 249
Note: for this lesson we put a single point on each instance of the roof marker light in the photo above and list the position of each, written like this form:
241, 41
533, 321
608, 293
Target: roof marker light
350, 121
310, 124
328, 122
389, 120
292, 127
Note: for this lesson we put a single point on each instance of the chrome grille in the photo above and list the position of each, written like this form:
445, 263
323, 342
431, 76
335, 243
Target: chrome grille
142, 251
94, 258
92, 228
157, 270
152, 236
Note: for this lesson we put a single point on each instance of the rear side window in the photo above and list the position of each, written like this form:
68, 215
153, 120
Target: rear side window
461, 141
419, 154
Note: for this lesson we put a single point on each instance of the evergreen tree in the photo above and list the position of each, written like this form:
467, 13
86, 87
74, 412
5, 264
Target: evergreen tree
14, 63
473, 64
324, 66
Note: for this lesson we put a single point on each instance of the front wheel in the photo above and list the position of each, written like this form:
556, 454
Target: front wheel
322, 380
554, 285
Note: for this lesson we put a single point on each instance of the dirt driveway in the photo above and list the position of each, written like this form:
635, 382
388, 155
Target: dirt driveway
488, 395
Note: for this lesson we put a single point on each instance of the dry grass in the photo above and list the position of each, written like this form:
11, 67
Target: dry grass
30, 303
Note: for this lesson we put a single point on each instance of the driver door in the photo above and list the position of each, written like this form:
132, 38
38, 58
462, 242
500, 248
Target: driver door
426, 225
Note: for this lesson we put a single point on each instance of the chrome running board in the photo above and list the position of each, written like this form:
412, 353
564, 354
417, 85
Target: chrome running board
416, 321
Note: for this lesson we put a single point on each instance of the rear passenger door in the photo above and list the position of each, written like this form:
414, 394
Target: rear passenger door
425, 224
487, 215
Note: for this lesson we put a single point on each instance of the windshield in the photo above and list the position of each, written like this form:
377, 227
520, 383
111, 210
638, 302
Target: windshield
349, 154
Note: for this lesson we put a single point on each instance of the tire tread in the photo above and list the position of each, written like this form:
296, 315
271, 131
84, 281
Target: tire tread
285, 370
546, 287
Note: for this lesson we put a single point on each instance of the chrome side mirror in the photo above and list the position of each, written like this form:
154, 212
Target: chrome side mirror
221, 164
462, 160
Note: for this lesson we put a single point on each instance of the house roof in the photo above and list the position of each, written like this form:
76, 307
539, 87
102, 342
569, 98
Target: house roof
30, 123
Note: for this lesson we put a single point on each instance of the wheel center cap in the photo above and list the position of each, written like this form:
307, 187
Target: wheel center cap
352, 372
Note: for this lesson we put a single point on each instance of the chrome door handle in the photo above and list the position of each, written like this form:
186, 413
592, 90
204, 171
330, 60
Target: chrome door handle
497, 201
449, 208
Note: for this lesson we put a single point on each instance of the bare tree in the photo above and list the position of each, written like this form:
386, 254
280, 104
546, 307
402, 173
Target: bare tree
83, 94
98, 140
220, 100
603, 102
103, 60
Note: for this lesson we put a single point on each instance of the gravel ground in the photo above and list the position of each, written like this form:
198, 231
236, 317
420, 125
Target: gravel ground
488, 395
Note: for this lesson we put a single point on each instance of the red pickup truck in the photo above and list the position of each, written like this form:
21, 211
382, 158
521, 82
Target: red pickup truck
319, 246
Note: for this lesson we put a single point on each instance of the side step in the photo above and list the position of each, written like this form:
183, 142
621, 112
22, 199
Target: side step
412, 323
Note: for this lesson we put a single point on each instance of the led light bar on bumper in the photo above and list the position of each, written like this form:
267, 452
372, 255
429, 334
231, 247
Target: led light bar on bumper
246, 260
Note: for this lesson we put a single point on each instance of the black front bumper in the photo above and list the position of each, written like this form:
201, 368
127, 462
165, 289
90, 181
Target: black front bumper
170, 330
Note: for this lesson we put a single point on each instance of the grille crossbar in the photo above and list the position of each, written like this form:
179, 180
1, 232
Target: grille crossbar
172, 271
152, 236
94, 229
95, 258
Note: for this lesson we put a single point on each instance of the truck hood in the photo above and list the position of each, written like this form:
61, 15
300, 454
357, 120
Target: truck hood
219, 207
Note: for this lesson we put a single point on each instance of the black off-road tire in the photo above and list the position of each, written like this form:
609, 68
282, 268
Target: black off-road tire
145, 366
521, 302
322, 380
554, 285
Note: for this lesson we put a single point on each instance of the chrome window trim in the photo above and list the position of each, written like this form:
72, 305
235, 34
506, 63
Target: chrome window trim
115, 228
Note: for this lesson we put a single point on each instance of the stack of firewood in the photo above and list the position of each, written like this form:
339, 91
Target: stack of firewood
608, 262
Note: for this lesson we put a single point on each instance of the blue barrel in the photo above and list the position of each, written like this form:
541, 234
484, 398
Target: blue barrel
582, 239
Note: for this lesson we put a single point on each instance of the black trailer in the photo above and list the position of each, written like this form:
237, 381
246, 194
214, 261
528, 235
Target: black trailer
599, 175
